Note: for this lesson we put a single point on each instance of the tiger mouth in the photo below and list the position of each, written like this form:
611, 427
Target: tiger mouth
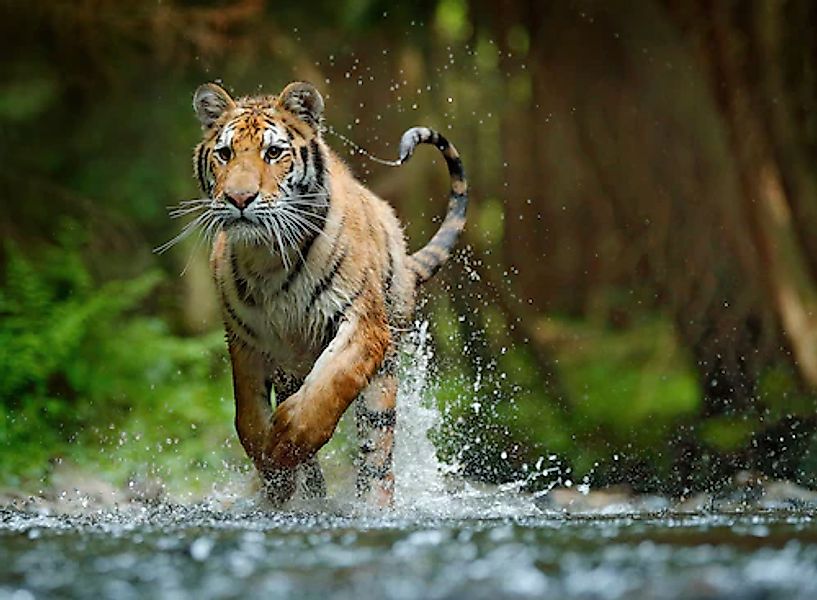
244, 227
241, 220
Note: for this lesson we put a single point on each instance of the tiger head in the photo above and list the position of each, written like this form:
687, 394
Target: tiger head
260, 164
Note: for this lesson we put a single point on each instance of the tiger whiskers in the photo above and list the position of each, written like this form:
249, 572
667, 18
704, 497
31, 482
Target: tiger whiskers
278, 234
288, 235
198, 223
206, 234
286, 229
301, 221
282, 226
187, 207
279, 239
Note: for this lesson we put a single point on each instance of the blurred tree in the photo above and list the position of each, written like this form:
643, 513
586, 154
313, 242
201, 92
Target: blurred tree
642, 199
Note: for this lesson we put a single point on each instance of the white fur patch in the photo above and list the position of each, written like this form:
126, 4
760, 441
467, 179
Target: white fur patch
272, 136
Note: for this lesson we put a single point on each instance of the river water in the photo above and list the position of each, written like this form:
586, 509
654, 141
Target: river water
440, 541
174, 551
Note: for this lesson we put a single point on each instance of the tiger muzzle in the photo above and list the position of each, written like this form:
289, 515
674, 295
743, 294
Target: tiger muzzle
240, 199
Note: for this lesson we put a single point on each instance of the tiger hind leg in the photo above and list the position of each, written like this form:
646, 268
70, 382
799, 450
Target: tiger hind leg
375, 419
311, 483
278, 485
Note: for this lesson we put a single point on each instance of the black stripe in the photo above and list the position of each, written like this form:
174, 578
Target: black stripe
389, 366
268, 389
332, 326
371, 472
302, 187
333, 323
239, 323
289, 171
208, 153
319, 209
241, 285
378, 419
388, 298
454, 165
302, 258
326, 280
453, 162
389, 279
200, 166
457, 204
285, 385
236, 319
293, 132
318, 164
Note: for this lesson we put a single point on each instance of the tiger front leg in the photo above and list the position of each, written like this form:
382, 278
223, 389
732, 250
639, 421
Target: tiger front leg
306, 420
253, 417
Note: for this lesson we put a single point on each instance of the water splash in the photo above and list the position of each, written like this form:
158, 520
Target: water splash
425, 485
418, 472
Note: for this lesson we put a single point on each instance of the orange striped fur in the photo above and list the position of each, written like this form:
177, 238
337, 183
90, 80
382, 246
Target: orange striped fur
314, 279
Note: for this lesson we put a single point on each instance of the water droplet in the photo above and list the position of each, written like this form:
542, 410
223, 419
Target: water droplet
201, 548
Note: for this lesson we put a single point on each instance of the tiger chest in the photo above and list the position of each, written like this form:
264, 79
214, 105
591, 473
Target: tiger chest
290, 329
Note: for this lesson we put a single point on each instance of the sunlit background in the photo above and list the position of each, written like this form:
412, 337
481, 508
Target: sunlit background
635, 297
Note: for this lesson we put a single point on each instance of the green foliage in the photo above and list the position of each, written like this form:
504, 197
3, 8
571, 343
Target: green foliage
490, 219
783, 395
81, 370
625, 392
727, 433
452, 19
27, 98
97, 124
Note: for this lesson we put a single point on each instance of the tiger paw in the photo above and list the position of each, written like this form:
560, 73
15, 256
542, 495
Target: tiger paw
300, 427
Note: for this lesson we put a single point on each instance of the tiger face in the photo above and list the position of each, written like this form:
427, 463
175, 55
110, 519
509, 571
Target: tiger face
259, 163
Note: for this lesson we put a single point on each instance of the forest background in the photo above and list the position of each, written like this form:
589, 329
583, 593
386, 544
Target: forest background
635, 298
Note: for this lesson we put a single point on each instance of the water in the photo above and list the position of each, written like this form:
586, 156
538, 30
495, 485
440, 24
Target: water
445, 538
196, 552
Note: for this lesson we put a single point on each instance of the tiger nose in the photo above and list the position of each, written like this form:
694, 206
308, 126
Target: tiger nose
240, 199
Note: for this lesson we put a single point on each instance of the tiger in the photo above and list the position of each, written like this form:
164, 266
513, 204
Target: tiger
314, 280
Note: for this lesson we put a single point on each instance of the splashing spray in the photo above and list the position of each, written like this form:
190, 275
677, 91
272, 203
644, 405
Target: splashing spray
418, 478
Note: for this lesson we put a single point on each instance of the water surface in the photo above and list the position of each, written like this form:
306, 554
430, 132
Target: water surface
487, 547
445, 539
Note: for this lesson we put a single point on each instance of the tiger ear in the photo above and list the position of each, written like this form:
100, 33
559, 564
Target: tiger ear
304, 101
210, 101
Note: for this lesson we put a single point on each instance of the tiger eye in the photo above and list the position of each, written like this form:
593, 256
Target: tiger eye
273, 153
224, 153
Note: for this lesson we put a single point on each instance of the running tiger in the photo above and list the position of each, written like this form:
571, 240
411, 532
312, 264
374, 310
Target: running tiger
314, 279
